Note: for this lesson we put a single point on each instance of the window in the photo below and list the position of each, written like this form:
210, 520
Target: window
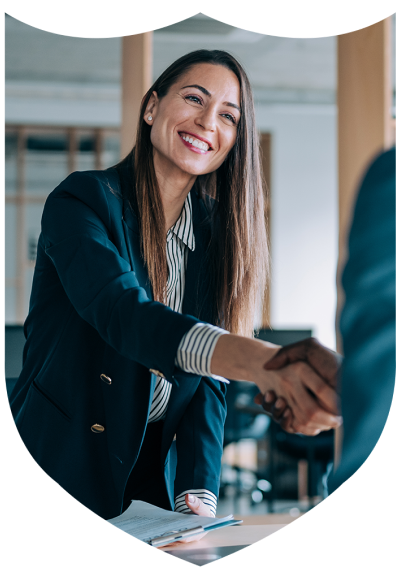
37, 159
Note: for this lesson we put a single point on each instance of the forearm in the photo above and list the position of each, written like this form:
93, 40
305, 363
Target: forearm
239, 358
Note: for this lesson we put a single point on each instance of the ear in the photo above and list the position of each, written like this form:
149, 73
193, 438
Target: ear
151, 109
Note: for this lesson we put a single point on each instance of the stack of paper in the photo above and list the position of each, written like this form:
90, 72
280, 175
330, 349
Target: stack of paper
159, 527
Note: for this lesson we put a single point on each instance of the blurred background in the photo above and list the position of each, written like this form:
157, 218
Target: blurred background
324, 108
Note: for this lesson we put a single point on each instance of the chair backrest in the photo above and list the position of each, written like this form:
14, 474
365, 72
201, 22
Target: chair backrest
283, 337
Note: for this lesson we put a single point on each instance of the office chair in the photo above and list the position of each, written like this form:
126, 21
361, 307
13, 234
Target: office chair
240, 425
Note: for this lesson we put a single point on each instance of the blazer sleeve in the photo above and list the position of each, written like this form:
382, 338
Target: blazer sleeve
100, 283
368, 320
199, 439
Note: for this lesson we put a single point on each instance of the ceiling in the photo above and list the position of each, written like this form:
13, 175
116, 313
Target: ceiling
280, 69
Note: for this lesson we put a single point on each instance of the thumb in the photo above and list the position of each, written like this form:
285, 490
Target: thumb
280, 360
197, 506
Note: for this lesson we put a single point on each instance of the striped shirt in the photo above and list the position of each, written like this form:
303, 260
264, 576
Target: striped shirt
197, 345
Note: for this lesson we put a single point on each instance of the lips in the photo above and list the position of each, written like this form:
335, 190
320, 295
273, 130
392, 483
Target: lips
194, 136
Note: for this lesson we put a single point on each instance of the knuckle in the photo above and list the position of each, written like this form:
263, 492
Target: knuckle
298, 365
319, 387
309, 417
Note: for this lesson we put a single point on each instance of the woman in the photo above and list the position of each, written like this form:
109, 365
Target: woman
138, 269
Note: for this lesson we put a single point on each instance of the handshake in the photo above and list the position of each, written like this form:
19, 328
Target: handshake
305, 399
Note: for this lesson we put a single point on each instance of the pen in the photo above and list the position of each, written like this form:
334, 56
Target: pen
176, 536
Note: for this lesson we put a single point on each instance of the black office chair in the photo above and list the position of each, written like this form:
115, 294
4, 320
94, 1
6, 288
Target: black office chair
14, 345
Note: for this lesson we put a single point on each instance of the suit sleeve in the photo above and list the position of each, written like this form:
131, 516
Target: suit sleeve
199, 439
100, 284
194, 356
368, 318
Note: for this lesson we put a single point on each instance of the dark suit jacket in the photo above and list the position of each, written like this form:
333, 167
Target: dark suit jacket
368, 319
92, 313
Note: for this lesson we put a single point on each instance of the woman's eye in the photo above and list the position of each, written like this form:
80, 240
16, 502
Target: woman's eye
197, 100
193, 98
230, 118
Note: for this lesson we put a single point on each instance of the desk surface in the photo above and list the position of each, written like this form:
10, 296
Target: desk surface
223, 542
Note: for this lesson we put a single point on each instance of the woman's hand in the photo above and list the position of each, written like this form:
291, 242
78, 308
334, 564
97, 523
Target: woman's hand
326, 363
276, 408
313, 405
197, 506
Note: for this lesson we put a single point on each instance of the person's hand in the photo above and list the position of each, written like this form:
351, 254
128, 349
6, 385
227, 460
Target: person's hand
322, 360
312, 400
276, 408
197, 507
312, 403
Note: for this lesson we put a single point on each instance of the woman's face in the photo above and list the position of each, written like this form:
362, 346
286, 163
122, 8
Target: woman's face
194, 125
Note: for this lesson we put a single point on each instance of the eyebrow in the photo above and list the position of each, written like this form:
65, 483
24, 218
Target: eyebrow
207, 93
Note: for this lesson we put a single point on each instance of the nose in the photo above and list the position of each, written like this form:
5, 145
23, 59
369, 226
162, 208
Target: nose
207, 119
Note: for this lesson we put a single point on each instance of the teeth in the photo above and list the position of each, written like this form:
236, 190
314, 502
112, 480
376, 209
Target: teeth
196, 143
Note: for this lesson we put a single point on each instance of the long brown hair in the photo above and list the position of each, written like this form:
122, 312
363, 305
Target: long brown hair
238, 254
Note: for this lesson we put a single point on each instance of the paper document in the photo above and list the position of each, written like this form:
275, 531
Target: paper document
159, 527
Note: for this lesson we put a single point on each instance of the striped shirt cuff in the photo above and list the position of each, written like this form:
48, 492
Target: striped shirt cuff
206, 496
196, 349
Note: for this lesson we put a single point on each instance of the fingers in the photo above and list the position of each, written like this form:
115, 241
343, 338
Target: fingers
277, 408
299, 386
191, 539
274, 406
197, 506
326, 396
301, 401
287, 355
324, 361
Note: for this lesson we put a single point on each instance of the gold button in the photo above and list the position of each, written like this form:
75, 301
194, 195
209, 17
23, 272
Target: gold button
97, 428
157, 373
105, 379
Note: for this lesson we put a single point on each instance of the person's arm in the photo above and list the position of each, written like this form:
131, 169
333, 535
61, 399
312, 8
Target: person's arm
368, 319
207, 350
77, 227
314, 404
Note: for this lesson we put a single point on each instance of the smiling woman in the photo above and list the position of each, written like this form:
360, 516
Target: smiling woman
205, 96
147, 279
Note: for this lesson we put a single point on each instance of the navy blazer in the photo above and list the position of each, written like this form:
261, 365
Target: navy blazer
368, 320
92, 313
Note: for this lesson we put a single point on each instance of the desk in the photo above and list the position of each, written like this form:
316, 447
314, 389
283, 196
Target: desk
223, 542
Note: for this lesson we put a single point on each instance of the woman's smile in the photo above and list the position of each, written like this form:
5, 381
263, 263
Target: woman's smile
195, 143
194, 126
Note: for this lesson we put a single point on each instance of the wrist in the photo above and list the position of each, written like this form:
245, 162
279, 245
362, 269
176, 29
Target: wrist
239, 358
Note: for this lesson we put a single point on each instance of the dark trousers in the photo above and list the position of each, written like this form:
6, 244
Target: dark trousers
146, 481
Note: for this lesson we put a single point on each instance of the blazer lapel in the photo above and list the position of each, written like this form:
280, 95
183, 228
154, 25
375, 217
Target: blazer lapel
131, 229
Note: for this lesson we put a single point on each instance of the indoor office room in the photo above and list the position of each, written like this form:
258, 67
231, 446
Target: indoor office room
324, 109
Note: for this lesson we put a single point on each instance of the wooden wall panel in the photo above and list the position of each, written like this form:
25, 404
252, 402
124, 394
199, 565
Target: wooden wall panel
137, 71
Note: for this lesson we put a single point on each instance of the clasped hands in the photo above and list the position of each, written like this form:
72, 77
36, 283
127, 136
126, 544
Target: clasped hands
300, 389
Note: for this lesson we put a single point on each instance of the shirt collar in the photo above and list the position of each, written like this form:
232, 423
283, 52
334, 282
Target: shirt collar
183, 227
